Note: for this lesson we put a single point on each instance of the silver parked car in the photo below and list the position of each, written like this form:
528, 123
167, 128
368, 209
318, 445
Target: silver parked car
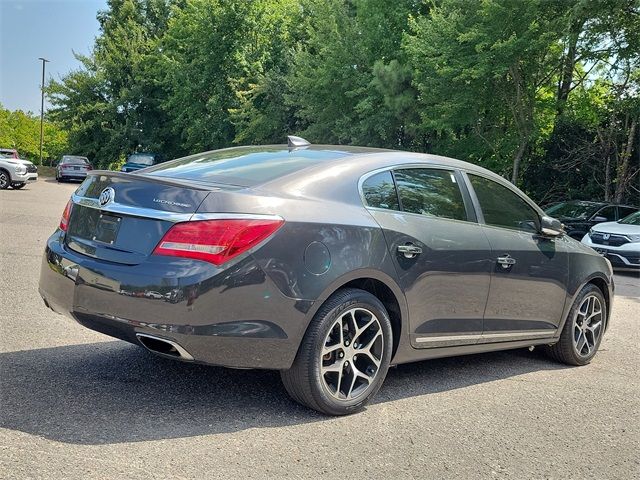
15, 172
618, 241
327, 263
72, 167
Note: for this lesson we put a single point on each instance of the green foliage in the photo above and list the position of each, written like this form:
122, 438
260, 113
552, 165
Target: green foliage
542, 91
21, 131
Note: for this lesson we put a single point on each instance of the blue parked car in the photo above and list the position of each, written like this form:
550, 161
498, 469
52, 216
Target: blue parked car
138, 161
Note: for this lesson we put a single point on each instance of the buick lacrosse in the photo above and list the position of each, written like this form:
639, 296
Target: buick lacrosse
328, 263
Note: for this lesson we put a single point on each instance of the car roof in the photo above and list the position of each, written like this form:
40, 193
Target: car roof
318, 171
319, 156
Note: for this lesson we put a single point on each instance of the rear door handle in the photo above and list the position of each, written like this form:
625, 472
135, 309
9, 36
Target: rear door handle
506, 261
410, 250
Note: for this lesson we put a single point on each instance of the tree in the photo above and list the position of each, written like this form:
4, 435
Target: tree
483, 75
21, 131
346, 72
110, 105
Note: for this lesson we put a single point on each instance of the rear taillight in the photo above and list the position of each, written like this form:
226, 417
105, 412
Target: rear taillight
64, 221
215, 241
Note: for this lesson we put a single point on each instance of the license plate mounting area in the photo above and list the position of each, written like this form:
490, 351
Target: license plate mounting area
107, 229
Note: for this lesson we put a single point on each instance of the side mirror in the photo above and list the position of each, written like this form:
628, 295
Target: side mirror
600, 219
551, 227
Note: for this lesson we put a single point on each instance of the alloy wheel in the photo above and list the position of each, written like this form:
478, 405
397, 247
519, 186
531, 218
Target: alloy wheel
588, 325
4, 180
351, 354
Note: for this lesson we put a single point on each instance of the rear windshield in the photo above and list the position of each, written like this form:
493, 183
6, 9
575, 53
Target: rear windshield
75, 160
245, 166
141, 159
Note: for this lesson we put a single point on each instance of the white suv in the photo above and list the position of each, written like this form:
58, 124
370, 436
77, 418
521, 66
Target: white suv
16, 173
618, 241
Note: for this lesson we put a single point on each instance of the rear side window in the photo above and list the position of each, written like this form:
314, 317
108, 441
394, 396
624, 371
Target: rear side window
380, 191
608, 213
503, 208
430, 191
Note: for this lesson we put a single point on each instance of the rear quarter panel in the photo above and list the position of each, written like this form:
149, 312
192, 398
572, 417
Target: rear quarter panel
322, 246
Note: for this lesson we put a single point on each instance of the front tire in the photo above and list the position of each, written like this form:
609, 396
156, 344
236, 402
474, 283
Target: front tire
18, 186
583, 330
344, 356
5, 180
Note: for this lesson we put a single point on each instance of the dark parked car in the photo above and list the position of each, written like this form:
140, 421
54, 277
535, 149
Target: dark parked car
72, 167
578, 216
138, 161
328, 263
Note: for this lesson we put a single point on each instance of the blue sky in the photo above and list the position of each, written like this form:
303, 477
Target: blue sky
52, 29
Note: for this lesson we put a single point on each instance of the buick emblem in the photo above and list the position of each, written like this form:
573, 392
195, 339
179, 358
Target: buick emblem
106, 196
605, 236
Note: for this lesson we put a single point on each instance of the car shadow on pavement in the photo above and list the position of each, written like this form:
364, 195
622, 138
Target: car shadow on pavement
113, 392
64, 182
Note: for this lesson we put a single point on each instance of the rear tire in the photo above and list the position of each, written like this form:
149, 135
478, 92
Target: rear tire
583, 329
344, 356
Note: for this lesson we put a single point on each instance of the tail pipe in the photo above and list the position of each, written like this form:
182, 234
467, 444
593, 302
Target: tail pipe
163, 346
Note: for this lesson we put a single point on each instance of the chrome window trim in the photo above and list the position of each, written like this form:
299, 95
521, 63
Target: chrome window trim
175, 217
420, 215
402, 166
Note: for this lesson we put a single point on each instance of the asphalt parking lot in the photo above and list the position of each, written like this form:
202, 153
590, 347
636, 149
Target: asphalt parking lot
77, 404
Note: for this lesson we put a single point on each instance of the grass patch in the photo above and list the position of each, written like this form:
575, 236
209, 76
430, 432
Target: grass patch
45, 171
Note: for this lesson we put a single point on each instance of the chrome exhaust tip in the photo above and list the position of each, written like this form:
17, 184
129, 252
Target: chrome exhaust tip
163, 346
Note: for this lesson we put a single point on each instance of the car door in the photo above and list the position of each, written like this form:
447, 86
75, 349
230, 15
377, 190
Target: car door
529, 270
442, 258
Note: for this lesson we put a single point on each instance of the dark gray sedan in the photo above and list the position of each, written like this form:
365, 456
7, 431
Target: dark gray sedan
328, 263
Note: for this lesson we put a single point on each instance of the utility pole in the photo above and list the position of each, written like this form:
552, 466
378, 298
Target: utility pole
44, 61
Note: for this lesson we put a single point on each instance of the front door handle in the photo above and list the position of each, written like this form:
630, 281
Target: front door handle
410, 250
507, 261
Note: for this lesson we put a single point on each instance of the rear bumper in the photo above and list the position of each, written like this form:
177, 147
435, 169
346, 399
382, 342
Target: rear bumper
234, 317
72, 174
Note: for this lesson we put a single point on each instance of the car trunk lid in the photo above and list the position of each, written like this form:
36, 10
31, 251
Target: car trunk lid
121, 217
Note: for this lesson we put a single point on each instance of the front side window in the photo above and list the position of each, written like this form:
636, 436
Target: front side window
502, 207
380, 191
430, 191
